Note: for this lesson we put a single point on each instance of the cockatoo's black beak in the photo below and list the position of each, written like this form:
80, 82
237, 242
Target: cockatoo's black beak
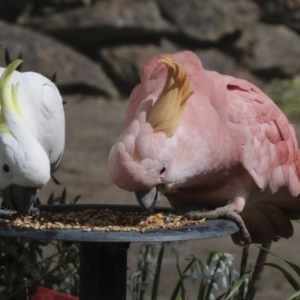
20, 199
148, 198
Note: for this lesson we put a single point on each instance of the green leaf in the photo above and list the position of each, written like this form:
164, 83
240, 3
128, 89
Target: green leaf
157, 272
76, 199
210, 257
55, 180
38, 201
180, 282
182, 297
293, 282
285, 94
210, 286
220, 297
7, 57
292, 265
51, 199
53, 77
19, 68
237, 284
63, 196
202, 290
294, 296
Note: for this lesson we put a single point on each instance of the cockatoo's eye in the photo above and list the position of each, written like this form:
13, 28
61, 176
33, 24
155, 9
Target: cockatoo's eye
6, 170
162, 170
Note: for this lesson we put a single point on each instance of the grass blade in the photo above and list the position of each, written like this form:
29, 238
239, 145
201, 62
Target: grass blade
63, 196
182, 288
157, 272
221, 296
7, 57
51, 199
293, 282
180, 281
237, 284
210, 286
202, 290
294, 296
257, 273
55, 180
179, 285
76, 199
19, 68
53, 77
292, 265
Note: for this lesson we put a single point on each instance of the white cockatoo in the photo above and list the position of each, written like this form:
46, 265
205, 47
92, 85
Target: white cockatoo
32, 136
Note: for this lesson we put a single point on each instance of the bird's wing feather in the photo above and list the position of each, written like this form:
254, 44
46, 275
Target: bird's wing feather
42, 109
270, 151
54, 124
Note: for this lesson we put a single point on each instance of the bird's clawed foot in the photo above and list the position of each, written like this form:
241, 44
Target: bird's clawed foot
7, 214
222, 212
34, 211
11, 215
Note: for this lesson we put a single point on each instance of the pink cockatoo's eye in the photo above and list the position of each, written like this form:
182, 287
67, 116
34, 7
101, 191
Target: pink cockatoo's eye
163, 170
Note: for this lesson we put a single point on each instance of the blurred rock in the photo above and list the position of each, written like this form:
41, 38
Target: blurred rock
10, 10
125, 62
106, 20
214, 60
75, 72
209, 21
270, 51
281, 12
14, 10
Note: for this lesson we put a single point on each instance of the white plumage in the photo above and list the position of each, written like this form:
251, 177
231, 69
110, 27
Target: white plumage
32, 135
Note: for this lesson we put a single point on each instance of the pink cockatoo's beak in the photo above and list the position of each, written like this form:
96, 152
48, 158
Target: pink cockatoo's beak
136, 155
149, 198
165, 116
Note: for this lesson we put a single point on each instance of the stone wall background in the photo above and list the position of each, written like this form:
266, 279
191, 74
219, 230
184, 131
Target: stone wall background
98, 48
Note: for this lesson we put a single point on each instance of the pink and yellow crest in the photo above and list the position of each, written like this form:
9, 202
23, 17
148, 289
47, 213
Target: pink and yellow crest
165, 115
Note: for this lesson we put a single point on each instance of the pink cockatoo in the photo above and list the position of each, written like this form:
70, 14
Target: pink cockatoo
209, 141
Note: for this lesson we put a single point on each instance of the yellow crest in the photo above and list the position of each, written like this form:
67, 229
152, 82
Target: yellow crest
8, 95
166, 112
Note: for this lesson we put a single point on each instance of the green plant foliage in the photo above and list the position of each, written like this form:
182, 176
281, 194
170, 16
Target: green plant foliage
213, 275
286, 95
292, 280
9, 61
146, 266
23, 266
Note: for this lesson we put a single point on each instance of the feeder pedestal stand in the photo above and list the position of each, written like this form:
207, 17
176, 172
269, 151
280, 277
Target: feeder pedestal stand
103, 254
103, 268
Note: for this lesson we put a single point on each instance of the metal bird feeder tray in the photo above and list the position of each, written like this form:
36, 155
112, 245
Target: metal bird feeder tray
103, 254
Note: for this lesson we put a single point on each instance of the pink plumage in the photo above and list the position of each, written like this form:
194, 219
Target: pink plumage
231, 147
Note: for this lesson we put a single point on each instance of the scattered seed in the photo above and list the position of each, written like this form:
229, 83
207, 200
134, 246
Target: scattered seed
102, 220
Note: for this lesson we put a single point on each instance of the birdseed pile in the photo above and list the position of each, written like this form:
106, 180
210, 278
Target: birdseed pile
102, 220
